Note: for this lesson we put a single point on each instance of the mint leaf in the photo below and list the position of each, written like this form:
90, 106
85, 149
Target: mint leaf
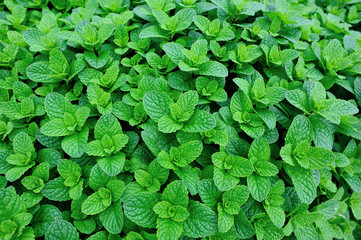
56, 190
299, 130
202, 221
212, 68
174, 52
200, 121
61, 229
139, 209
56, 106
168, 229
93, 205
112, 218
41, 72
75, 144
156, 104
298, 99
176, 193
44, 217
304, 183
243, 226
112, 165
259, 186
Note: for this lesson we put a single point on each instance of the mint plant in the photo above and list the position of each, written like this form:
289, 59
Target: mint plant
180, 119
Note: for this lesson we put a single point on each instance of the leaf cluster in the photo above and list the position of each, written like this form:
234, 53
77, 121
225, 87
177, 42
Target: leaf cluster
180, 119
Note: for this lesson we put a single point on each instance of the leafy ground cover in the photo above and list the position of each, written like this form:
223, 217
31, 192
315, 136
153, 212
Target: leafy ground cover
180, 119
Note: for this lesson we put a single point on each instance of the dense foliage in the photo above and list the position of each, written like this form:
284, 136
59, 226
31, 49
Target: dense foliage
180, 119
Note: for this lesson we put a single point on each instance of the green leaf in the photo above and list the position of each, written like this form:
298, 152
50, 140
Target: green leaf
112, 218
116, 188
155, 141
123, 120
98, 178
31, 199
176, 193
307, 232
318, 92
273, 95
225, 35
213, 68
162, 209
44, 217
21, 90
167, 125
61, 229
202, 23
107, 124
266, 169
55, 128
185, 18
244, 228
15, 173
188, 101
343, 108
122, 111
304, 183
174, 52
202, 221
353, 181
242, 167
55, 190
334, 50
95, 148
357, 89
81, 115
11, 204
153, 32
355, 206
276, 215
268, 117
93, 204
299, 130
146, 180
320, 158
223, 180
56, 105
200, 121
168, 229
190, 150
190, 178
112, 165
105, 31
208, 192
86, 225
259, 187
58, 63
22, 144
240, 102
74, 145
298, 99
260, 150
225, 220
156, 104
328, 208
96, 60
139, 209
40, 72
69, 170
322, 135
31, 37
238, 194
